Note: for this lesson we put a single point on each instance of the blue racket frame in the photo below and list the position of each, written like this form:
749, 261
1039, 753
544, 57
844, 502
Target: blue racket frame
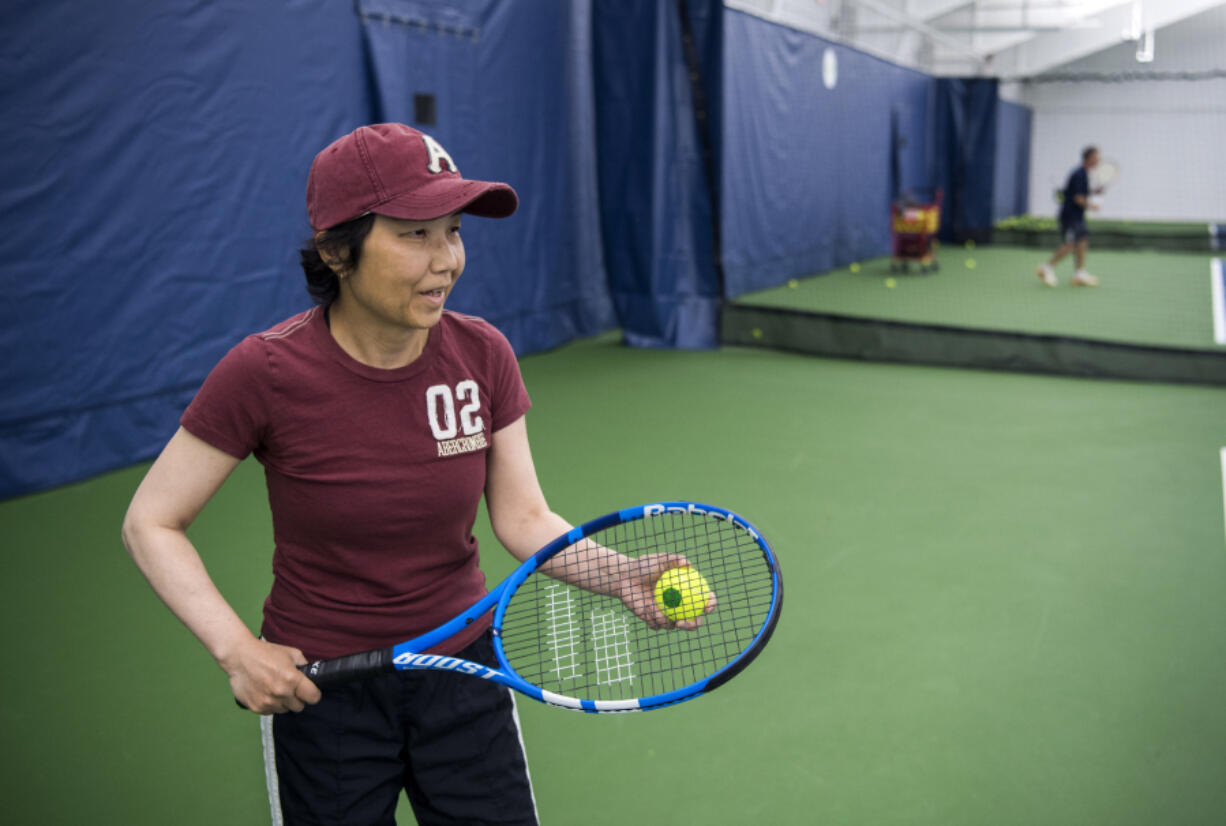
405, 656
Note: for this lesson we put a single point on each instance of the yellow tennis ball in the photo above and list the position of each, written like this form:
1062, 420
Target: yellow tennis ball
682, 593
756, 332
854, 268
793, 283
891, 283
970, 263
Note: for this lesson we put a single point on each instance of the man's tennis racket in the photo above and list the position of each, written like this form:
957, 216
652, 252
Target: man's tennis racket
1103, 175
568, 646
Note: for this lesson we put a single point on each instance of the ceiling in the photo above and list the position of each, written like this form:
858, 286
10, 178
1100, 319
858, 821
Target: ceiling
999, 38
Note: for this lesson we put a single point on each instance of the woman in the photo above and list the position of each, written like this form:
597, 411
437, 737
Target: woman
380, 418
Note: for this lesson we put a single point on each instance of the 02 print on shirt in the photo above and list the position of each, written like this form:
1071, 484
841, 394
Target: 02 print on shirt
462, 433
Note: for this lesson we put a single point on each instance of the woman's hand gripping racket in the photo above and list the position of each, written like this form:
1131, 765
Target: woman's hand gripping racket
676, 599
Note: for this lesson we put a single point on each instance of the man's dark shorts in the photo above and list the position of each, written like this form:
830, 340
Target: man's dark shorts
1073, 230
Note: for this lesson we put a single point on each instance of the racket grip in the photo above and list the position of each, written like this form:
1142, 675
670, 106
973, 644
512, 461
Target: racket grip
326, 673
352, 667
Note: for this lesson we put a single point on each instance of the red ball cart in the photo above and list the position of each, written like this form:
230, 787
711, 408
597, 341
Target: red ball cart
913, 228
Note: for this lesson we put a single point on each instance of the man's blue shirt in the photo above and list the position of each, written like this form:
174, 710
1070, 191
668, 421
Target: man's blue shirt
1078, 184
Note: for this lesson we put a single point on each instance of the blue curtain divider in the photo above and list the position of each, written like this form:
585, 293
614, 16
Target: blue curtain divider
156, 162
807, 175
514, 92
1011, 184
655, 205
966, 132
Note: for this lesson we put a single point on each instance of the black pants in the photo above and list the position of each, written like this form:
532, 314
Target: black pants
452, 742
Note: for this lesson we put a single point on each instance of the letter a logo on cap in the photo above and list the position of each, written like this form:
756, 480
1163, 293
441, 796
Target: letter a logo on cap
437, 154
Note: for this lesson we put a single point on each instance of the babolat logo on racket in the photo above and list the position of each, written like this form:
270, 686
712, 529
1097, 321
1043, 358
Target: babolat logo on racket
444, 663
689, 507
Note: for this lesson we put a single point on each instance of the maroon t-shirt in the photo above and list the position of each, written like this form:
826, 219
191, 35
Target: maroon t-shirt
374, 476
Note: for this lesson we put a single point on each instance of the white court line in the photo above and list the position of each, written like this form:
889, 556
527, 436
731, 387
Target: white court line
1219, 301
1224, 487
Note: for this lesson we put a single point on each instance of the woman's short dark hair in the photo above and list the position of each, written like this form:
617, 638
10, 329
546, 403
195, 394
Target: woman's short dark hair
343, 241
1087, 152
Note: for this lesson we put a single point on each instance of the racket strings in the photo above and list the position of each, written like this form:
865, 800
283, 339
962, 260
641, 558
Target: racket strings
591, 646
1104, 174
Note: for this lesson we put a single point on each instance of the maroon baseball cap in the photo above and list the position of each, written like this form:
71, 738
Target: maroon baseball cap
394, 170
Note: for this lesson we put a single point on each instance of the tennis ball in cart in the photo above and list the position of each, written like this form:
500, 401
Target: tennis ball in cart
682, 593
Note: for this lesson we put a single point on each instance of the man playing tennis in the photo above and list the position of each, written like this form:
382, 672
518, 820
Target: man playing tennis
380, 419
1074, 236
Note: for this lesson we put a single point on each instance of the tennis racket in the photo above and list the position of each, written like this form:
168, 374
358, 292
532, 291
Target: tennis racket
1103, 175
571, 647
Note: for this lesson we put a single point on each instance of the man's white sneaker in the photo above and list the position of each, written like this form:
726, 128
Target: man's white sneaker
1084, 279
1046, 275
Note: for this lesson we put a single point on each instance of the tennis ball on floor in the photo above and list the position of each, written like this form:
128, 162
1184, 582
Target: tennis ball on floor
756, 333
891, 283
682, 593
793, 283
970, 263
854, 268
970, 245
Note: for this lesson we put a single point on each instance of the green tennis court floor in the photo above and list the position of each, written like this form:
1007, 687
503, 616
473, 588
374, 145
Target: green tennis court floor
1005, 604
1161, 299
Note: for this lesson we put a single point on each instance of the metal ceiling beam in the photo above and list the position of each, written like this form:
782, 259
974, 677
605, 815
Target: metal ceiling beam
926, 11
1050, 50
985, 29
978, 37
901, 17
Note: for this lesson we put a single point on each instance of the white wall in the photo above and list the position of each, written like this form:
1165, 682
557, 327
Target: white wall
804, 15
1168, 136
